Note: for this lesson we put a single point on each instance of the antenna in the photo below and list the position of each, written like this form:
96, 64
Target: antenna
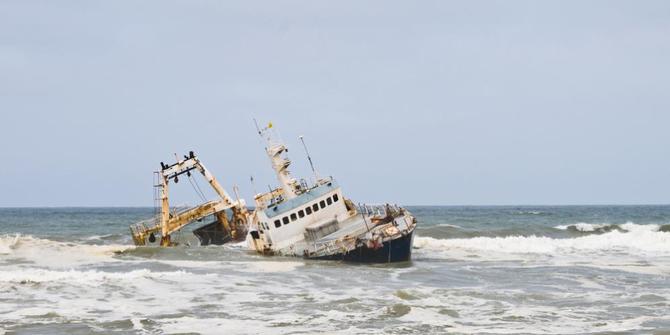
253, 185
257, 127
316, 175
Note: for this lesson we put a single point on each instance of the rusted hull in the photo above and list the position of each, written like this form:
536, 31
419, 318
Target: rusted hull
392, 251
213, 233
216, 234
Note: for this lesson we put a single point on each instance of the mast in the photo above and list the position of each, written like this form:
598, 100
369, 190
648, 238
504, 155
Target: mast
165, 211
276, 151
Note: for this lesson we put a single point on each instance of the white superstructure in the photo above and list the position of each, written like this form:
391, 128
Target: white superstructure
294, 212
316, 220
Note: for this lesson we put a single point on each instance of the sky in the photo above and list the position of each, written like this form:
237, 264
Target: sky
408, 102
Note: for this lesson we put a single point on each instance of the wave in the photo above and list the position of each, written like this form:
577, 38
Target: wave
584, 227
530, 213
7, 244
634, 240
105, 237
589, 227
447, 225
87, 277
54, 253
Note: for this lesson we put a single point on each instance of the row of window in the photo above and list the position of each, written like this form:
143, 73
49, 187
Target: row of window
307, 211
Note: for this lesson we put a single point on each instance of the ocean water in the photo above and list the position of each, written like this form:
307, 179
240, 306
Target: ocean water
491, 270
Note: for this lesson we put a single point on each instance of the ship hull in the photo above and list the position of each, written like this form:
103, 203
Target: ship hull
215, 234
392, 251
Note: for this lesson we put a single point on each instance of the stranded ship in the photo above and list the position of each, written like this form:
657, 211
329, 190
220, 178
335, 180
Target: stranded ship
315, 221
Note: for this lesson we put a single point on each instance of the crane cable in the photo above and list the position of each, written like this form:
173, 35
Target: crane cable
196, 188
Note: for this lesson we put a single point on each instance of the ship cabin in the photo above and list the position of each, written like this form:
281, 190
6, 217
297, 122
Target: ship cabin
311, 214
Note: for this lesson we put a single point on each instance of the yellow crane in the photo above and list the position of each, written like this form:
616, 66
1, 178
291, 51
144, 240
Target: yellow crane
167, 222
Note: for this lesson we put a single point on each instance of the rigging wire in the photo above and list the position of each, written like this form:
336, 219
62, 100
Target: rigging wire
196, 188
204, 197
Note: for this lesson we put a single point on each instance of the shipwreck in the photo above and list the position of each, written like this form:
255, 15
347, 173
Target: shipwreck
315, 221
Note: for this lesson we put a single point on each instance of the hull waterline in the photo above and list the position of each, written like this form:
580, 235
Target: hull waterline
392, 251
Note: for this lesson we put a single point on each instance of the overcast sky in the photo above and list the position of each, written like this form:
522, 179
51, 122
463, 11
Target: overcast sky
414, 102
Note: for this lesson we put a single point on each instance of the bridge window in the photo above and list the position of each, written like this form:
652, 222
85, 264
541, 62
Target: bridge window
285, 219
329, 201
322, 203
308, 210
277, 224
301, 214
315, 207
335, 198
293, 217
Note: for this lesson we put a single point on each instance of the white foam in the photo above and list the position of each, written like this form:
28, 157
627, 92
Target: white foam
530, 212
637, 240
137, 323
633, 227
268, 266
449, 225
590, 227
87, 277
513, 311
98, 237
8, 243
50, 253
100, 295
215, 326
251, 266
583, 227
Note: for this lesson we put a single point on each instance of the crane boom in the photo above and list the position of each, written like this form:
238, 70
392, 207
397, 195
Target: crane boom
167, 222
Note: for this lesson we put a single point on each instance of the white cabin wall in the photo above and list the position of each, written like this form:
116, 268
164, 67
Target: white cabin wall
293, 232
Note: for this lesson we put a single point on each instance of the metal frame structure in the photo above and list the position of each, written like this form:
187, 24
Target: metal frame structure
167, 222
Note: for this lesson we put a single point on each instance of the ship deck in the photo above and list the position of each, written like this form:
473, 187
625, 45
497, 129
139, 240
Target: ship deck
352, 226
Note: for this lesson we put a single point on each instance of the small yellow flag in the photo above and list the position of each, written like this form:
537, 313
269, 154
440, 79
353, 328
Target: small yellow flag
270, 125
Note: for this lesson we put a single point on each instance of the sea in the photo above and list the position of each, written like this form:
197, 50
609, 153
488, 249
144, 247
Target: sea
474, 270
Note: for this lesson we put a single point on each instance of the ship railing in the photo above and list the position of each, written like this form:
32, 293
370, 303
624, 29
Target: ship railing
181, 209
378, 210
382, 211
327, 247
141, 229
154, 222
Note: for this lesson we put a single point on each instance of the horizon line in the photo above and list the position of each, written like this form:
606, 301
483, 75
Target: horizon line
413, 205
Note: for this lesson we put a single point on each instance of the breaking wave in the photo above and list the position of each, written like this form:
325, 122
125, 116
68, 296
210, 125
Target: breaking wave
87, 277
530, 213
631, 238
583, 227
447, 225
54, 253
8, 243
